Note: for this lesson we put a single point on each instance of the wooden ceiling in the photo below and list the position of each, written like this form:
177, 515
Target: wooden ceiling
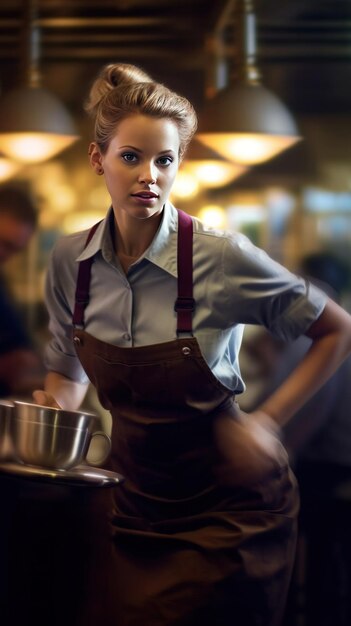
304, 47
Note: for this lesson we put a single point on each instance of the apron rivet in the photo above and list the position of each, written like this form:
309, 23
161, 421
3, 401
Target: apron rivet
77, 341
186, 350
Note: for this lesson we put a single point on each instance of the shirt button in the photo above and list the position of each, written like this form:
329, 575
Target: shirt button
126, 337
186, 351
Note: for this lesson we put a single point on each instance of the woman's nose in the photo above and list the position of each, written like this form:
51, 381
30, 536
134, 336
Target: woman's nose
148, 175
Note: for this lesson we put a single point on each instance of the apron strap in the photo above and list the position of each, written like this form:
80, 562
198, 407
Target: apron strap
83, 284
185, 303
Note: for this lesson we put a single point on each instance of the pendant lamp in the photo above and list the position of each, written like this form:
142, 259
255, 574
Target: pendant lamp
209, 168
34, 124
245, 122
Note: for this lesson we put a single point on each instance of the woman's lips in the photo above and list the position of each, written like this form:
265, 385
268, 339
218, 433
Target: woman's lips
145, 197
145, 194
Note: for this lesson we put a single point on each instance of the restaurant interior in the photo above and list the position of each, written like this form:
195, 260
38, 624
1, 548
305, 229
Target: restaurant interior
290, 196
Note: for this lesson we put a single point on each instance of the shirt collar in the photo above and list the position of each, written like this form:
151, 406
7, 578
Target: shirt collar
162, 251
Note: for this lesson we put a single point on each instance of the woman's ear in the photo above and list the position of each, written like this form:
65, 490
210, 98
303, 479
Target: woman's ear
95, 158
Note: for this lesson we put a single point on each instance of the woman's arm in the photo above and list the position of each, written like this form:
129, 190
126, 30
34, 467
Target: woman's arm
253, 436
60, 391
331, 344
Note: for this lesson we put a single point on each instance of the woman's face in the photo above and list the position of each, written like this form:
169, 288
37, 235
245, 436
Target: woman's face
140, 164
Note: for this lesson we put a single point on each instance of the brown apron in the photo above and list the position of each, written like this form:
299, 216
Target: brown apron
185, 547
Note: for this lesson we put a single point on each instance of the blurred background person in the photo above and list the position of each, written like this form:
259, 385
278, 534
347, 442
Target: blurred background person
20, 361
318, 440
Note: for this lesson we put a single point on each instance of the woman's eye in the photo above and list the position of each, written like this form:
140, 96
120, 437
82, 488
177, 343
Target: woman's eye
130, 157
165, 160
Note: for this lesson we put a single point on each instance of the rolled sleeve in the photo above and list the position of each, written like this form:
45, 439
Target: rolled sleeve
261, 291
66, 364
300, 315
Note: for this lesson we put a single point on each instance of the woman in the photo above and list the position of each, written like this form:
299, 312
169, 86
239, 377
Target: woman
203, 529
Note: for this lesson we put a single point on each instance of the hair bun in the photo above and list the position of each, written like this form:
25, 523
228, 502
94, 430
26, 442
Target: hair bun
112, 76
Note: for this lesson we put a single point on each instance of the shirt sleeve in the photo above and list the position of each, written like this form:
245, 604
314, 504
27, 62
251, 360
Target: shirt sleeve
60, 355
261, 291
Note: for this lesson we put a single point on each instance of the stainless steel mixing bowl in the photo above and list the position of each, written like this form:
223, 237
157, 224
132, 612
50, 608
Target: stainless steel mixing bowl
55, 438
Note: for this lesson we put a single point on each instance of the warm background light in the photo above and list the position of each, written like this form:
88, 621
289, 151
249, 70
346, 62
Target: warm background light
8, 168
213, 216
248, 148
34, 147
185, 185
80, 221
214, 173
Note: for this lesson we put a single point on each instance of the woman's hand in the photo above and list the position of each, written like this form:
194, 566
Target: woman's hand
45, 399
249, 448
60, 392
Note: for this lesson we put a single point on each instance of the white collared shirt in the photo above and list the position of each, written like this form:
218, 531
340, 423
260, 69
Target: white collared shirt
235, 283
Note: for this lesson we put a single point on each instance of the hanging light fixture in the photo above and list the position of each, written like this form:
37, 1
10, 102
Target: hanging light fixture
209, 168
34, 125
245, 122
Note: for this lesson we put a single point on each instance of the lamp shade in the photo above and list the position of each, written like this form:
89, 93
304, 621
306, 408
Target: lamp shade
247, 124
34, 125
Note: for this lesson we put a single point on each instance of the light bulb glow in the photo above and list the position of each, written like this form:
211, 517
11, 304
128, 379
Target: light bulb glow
8, 168
247, 148
213, 216
185, 185
34, 147
214, 173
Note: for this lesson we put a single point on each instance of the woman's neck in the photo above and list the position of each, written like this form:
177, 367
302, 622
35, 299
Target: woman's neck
132, 237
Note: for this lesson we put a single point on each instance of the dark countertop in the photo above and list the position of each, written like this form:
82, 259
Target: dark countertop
49, 537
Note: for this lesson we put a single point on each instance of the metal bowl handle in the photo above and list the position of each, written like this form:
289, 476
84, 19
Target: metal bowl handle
98, 454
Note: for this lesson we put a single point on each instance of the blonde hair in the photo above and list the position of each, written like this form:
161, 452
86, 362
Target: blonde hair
122, 90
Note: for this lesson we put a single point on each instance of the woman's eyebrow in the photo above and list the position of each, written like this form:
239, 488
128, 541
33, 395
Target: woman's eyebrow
130, 148
170, 150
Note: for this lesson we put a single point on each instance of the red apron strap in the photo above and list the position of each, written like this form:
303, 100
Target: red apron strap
185, 303
83, 283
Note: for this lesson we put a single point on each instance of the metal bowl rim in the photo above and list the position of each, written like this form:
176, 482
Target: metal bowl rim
46, 425
21, 403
